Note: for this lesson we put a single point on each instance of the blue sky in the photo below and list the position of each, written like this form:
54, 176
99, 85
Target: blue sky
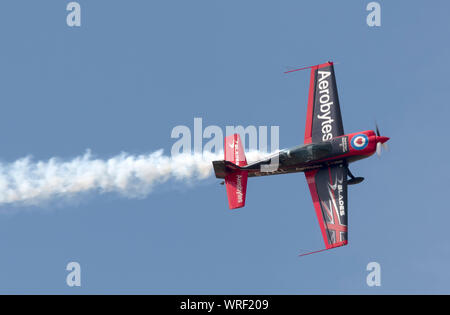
136, 69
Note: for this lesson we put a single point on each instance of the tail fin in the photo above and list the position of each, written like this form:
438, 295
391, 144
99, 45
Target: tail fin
235, 180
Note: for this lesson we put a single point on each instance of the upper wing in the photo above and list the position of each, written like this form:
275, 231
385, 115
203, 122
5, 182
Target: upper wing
328, 186
323, 120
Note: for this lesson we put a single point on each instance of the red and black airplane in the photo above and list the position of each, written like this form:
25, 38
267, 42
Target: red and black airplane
324, 158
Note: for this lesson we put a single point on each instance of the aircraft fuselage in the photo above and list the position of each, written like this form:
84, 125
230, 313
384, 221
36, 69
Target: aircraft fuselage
350, 147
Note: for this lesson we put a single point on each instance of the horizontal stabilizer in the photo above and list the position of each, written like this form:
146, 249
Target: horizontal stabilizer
235, 179
236, 184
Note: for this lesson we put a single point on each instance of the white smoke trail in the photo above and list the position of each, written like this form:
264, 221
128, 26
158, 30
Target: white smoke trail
29, 183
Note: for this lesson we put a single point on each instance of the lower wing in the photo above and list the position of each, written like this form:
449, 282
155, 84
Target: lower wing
328, 186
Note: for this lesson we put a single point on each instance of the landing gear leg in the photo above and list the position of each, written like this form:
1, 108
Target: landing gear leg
353, 180
350, 173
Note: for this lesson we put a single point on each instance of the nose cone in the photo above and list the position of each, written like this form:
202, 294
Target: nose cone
382, 139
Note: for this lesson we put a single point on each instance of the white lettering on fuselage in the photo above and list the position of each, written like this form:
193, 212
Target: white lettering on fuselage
325, 105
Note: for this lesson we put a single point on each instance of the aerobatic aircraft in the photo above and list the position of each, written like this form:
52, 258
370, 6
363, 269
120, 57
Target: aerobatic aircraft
324, 158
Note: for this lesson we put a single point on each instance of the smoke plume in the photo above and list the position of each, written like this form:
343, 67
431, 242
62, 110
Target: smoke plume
28, 182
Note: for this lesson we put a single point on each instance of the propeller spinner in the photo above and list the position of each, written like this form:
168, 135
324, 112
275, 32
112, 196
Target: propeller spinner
381, 141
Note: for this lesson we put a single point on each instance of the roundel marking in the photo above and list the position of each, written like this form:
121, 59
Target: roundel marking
360, 142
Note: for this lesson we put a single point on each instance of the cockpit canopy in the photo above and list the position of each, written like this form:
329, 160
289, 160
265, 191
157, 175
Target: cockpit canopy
309, 152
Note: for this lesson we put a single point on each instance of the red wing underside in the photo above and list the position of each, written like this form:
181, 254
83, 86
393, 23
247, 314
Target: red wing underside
328, 187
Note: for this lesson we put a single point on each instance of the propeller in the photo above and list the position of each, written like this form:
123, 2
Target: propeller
380, 144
